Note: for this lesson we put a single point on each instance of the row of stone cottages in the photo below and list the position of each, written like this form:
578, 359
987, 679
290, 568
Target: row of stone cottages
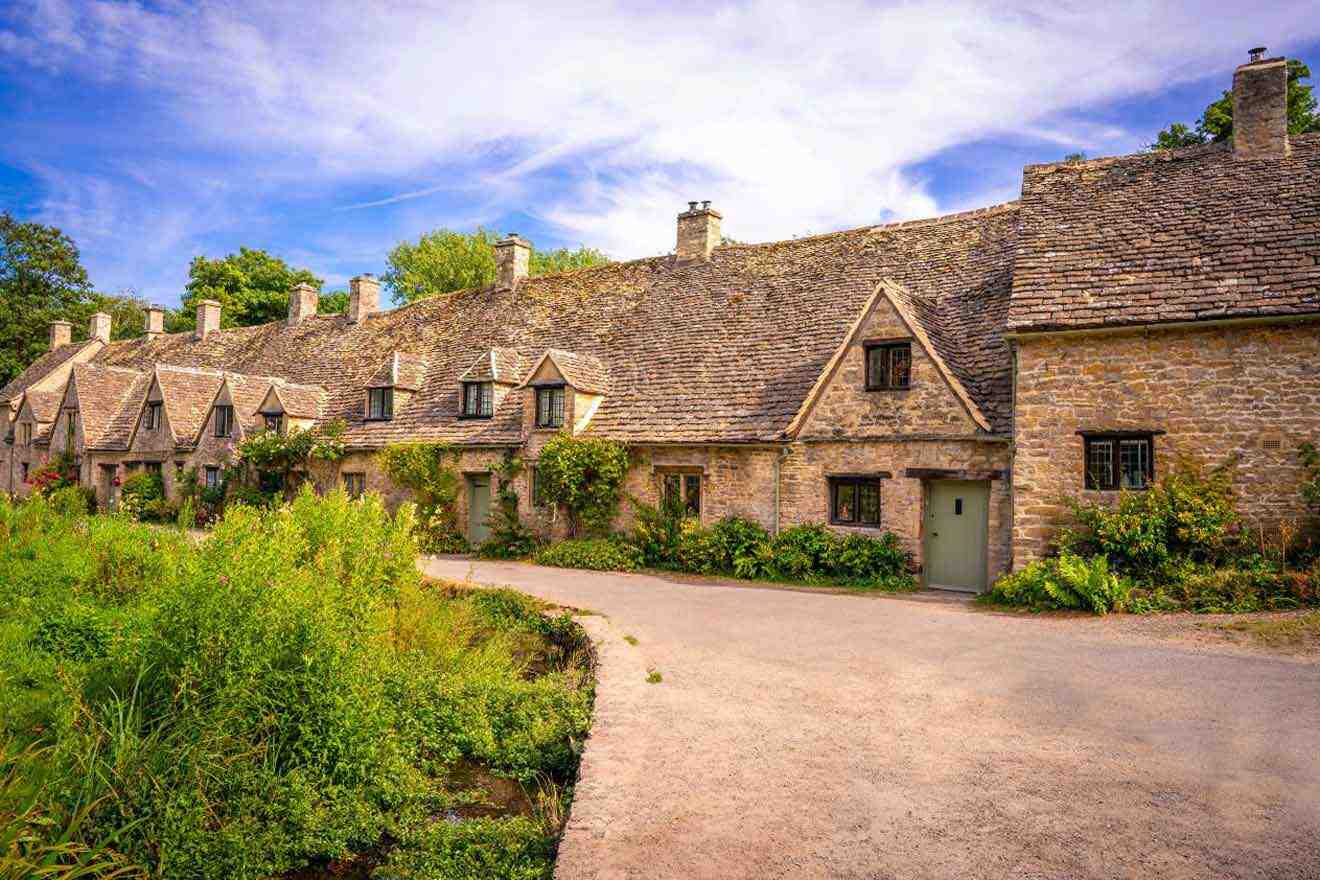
947, 379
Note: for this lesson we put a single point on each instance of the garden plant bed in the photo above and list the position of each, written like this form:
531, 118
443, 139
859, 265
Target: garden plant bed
285, 697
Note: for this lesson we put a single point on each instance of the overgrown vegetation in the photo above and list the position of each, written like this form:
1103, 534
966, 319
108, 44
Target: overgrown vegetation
583, 477
427, 470
142, 497
286, 695
509, 538
1179, 545
596, 554
274, 461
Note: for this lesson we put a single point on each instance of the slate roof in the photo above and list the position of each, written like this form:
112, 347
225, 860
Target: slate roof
45, 405
1178, 235
502, 365
187, 395
723, 350
583, 372
41, 368
301, 401
400, 370
109, 399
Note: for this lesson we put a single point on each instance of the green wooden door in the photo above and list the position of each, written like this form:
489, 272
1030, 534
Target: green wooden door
957, 526
478, 508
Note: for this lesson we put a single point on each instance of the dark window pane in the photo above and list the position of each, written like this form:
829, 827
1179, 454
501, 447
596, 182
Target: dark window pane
672, 486
1133, 463
1100, 464
876, 368
692, 494
868, 503
486, 392
900, 368
845, 502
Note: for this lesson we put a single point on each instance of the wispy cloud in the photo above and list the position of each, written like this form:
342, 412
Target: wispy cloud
601, 119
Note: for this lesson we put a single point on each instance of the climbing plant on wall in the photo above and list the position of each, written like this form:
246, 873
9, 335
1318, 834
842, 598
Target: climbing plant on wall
268, 460
584, 478
509, 538
427, 470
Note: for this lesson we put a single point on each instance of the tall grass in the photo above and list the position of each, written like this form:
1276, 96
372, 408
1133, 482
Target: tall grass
286, 694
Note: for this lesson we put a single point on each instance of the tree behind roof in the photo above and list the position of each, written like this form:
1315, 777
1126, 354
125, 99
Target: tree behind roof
1216, 123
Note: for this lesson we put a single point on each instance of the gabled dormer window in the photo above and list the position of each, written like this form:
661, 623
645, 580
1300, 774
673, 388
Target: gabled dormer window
25, 434
274, 423
153, 416
478, 400
888, 366
550, 406
380, 403
224, 421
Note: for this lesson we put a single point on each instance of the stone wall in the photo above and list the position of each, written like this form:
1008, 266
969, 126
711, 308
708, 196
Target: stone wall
1251, 392
805, 472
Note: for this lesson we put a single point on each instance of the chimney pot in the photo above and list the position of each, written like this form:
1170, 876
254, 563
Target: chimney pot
513, 259
1260, 108
303, 302
698, 232
1257, 53
208, 318
363, 298
61, 333
99, 327
155, 321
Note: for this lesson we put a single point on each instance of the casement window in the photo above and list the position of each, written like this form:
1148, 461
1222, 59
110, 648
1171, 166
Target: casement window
25, 434
380, 403
478, 400
224, 421
538, 490
550, 407
25, 471
153, 467
355, 485
1119, 461
686, 488
70, 428
212, 478
854, 501
153, 419
888, 366
275, 423
132, 466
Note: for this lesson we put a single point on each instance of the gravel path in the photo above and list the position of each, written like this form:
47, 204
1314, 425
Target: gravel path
840, 736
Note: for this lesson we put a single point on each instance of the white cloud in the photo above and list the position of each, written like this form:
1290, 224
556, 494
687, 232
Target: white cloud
603, 118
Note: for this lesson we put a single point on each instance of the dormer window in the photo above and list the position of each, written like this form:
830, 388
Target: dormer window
25, 434
550, 406
224, 421
478, 400
380, 403
275, 423
888, 366
153, 416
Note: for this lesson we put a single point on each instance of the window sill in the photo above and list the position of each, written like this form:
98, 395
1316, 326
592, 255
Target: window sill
462, 417
378, 419
888, 388
872, 527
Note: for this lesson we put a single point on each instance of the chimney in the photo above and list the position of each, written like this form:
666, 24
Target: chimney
155, 321
303, 300
1260, 108
208, 318
363, 297
99, 327
513, 258
61, 332
698, 232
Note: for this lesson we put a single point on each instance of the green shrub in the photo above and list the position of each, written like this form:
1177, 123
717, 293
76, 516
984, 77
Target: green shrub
800, 553
861, 560
584, 477
1067, 582
75, 631
74, 501
509, 538
598, 554
658, 531
515, 849
427, 470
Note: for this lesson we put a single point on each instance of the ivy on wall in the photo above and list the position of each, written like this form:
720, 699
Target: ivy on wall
427, 470
583, 477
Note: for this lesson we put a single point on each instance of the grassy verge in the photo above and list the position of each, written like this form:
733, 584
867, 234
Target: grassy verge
1292, 632
286, 698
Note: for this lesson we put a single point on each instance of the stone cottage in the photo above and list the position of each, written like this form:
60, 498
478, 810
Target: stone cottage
945, 379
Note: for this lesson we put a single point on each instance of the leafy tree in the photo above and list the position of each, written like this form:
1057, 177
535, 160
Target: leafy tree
443, 261
1216, 123
127, 313
251, 286
333, 303
41, 279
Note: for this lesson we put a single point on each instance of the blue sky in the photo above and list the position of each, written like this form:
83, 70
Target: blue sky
153, 132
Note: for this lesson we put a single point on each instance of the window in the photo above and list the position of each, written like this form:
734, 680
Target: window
25, 434
1119, 461
132, 466
550, 407
152, 467
275, 423
855, 501
224, 421
25, 471
478, 400
380, 403
538, 491
888, 366
70, 428
212, 477
686, 488
178, 469
355, 485
153, 416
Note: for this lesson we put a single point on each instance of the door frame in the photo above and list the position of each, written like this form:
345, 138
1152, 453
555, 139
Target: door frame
927, 487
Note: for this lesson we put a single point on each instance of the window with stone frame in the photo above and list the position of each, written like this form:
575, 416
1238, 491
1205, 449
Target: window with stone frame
355, 484
153, 416
380, 404
550, 406
70, 428
854, 501
686, 487
212, 477
478, 400
888, 366
224, 421
153, 468
1119, 461
538, 489
25, 434
274, 422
